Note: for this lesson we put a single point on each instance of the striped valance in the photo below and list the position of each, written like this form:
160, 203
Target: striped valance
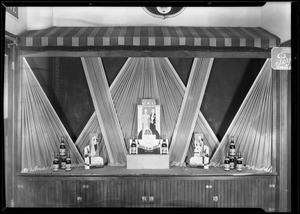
149, 36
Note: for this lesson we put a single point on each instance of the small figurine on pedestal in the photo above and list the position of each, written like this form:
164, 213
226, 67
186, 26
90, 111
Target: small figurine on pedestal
91, 153
201, 152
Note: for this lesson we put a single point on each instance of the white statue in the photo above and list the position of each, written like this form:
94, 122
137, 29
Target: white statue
91, 153
201, 152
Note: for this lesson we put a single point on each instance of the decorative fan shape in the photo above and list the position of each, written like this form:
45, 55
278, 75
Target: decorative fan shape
252, 125
40, 126
142, 78
64, 83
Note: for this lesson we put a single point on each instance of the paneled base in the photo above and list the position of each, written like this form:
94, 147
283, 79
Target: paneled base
147, 161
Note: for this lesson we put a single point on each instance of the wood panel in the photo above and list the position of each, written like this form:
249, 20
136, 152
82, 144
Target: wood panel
170, 192
251, 193
71, 189
282, 138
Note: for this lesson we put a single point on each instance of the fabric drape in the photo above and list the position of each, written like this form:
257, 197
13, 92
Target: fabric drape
104, 108
41, 127
252, 125
189, 108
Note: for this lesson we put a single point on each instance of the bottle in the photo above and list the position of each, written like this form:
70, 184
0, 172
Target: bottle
231, 161
164, 147
226, 163
232, 146
55, 163
62, 147
239, 162
68, 162
133, 147
63, 162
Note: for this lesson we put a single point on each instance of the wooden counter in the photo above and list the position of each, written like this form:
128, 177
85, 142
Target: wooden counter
120, 187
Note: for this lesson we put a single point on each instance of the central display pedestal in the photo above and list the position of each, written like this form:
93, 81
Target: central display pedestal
148, 161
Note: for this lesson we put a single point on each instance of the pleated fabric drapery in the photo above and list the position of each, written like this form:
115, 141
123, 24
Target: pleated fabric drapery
148, 78
41, 127
189, 109
252, 125
105, 110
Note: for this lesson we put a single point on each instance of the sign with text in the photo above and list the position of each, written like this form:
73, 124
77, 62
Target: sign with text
14, 11
281, 58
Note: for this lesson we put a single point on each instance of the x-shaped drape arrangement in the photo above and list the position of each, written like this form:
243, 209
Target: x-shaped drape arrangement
116, 112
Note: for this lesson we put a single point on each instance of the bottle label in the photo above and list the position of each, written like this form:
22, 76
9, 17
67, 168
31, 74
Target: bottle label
62, 151
133, 150
239, 167
68, 167
63, 165
226, 167
164, 150
55, 167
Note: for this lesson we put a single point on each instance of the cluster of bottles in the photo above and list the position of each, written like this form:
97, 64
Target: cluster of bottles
61, 159
233, 161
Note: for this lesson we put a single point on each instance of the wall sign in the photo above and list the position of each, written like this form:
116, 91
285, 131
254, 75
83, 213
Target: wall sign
14, 11
164, 12
281, 58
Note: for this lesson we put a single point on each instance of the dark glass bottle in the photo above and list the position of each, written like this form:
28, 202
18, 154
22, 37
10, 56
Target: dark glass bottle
63, 162
133, 149
226, 163
164, 147
239, 162
55, 163
232, 146
231, 161
68, 162
62, 147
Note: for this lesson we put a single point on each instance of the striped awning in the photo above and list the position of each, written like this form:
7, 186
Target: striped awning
149, 36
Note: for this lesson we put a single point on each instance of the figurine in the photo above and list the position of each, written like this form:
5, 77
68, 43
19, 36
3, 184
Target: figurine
201, 152
91, 153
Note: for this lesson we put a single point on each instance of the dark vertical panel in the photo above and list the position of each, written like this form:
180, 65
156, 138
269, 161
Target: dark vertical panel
112, 66
183, 67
